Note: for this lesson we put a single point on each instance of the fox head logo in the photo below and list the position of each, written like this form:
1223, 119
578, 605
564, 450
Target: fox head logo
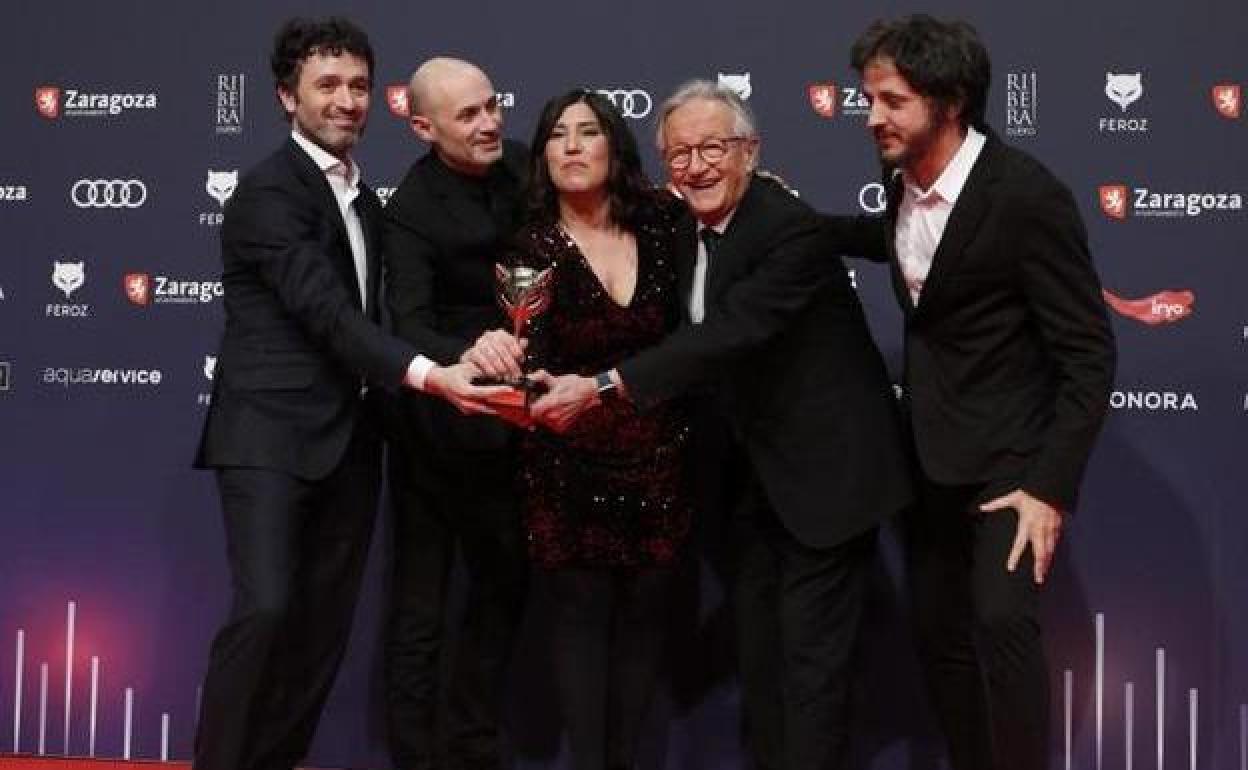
740, 84
1124, 90
221, 184
68, 276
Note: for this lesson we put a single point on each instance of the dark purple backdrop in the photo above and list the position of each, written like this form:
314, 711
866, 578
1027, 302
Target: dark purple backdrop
100, 506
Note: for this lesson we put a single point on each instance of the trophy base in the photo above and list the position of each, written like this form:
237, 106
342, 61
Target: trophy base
512, 404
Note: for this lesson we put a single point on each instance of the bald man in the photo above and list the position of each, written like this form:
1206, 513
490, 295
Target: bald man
451, 478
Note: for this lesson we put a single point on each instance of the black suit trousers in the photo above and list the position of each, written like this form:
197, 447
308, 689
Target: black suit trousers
978, 630
296, 553
797, 610
443, 498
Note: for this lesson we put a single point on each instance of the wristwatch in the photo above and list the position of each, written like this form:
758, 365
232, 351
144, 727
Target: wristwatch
605, 386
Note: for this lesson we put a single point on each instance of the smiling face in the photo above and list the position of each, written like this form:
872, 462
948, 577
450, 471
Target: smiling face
712, 191
329, 103
461, 117
578, 153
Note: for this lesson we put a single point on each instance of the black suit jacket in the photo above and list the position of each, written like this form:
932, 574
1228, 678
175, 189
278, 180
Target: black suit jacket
297, 345
1009, 355
441, 244
786, 350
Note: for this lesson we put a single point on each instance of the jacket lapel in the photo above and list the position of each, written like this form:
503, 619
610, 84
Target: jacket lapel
318, 186
973, 203
369, 211
895, 188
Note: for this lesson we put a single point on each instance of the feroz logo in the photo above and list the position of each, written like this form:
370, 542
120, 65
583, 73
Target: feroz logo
48, 101
1124, 90
396, 100
221, 184
69, 276
631, 102
138, 288
1114, 200
1020, 104
13, 192
1164, 307
823, 98
739, 84
1228, 99
108, 193
4, 375
231, 103
873, 198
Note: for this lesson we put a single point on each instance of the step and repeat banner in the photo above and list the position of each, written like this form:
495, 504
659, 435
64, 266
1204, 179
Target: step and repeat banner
126, 128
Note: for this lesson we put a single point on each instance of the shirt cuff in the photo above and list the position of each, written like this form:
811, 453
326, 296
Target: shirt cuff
417, 371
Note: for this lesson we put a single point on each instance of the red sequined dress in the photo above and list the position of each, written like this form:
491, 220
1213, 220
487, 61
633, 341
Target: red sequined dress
611, 492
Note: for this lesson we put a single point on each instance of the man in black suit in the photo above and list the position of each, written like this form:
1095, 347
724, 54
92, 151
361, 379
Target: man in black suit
293, 431
452, 477
776, 335
1009, 361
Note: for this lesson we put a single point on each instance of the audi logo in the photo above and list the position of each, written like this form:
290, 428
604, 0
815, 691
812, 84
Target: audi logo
108, 193
631, 102
873, 198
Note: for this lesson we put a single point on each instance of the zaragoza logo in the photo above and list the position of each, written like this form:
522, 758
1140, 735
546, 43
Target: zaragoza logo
396, 100
1114, 200
823, 98
1228, 100
48, 101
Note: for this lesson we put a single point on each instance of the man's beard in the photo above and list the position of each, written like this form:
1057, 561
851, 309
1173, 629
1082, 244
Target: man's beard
918, 145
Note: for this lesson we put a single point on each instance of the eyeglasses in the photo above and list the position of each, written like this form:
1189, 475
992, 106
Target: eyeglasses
712, 151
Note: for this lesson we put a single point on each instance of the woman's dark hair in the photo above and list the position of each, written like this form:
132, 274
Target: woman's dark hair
627, 186
942, 60
300, 38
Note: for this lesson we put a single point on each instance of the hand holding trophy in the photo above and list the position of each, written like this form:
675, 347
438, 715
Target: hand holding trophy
523, 293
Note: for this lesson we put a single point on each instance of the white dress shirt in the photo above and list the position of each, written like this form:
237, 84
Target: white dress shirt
344, 180
923, 214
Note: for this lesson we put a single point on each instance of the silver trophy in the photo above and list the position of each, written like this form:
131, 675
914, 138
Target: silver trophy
523, 293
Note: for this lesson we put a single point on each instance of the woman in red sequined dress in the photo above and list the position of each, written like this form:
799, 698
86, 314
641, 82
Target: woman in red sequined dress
606, 508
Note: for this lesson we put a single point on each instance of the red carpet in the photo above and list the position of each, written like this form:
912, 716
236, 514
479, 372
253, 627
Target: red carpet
60, 763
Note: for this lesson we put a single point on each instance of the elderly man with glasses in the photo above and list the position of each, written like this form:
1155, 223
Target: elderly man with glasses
798, 421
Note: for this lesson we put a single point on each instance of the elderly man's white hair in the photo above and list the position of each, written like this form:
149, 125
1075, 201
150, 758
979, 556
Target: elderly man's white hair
707, 90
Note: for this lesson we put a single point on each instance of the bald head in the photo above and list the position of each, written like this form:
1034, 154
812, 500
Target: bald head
432, 80
454, 108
